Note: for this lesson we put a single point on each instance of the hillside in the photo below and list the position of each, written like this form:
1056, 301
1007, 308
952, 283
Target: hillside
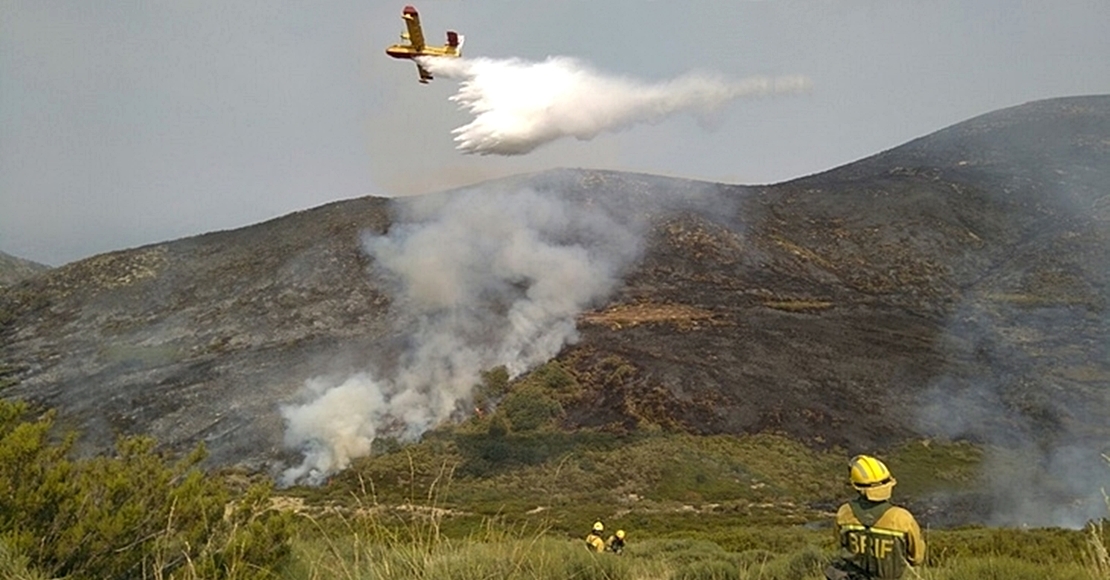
14, 270
956, 286
958, 283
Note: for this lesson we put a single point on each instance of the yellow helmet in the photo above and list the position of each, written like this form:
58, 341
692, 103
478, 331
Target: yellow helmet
598, 527
871, 477
620, 534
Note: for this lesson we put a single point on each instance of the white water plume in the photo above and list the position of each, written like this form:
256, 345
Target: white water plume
520, 105
478, 278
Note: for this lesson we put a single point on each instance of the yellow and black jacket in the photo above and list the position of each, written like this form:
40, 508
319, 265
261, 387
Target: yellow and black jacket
595, 543
878, 538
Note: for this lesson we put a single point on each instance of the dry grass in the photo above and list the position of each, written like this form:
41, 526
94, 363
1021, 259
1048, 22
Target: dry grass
798, 305
628, 315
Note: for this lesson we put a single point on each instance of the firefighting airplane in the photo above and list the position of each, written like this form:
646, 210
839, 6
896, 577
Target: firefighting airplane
416, 46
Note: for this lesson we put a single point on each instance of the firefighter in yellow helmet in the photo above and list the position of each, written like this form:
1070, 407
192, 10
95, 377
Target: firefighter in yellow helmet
615, 543
594, 541
879, 540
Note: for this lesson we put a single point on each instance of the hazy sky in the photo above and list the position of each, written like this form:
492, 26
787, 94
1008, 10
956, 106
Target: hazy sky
130, 122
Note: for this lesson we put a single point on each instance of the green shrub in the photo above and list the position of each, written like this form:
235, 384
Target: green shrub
494, 385
15, 566
498, 426
129, 515
553, 377
529, 409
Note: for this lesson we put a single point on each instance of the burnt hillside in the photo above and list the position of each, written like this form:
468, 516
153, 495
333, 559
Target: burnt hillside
955, 285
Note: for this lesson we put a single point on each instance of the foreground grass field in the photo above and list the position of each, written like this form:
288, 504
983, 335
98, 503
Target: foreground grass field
756, 507
484, 500
368, 550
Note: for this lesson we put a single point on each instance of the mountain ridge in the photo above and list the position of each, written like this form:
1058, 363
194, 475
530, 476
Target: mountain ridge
14, 270
854, 307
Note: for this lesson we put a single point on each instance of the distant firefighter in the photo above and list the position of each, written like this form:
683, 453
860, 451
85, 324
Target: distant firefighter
879, 540
594, 541
615, 543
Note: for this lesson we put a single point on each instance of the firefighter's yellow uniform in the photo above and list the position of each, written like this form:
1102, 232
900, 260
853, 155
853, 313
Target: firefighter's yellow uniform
615, 543
879, 539
594, 541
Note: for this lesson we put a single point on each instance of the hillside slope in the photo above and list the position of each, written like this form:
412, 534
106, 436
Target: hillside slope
956, 286
14, 270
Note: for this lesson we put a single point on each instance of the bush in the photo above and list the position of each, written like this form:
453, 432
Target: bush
529, 409
494, 385
133, 514
15, 566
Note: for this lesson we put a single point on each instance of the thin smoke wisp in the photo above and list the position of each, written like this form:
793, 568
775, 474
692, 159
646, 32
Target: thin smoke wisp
520, 105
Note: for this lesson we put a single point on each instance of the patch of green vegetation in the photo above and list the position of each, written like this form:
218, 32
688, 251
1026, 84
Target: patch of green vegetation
1037, 546
529, 408
134, 514
363, 548
486, 555
571, 478
373, 545
694, 507
15, 566
928, 466
990, 567
492, 387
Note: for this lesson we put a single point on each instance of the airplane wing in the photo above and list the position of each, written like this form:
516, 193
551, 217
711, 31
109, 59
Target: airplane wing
412, 21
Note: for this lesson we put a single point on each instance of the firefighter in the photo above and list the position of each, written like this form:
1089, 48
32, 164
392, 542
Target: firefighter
594, 541
615, 543
879, 540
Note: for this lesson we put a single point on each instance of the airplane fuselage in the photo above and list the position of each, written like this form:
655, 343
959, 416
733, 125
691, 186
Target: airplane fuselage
405, 51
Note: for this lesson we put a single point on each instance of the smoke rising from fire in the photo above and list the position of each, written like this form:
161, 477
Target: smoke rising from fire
520, 105
478, 278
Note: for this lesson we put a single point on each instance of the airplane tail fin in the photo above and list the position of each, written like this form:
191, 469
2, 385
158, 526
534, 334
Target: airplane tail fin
455, 42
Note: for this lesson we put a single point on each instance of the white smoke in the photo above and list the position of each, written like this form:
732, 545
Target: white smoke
519, 105
478, 278
1042, 466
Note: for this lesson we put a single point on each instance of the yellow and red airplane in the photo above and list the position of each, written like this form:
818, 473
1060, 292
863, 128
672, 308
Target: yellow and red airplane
416, 46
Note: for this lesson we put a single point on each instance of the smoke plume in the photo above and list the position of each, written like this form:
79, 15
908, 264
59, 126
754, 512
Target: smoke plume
478, 278
520, 105
1044, 464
